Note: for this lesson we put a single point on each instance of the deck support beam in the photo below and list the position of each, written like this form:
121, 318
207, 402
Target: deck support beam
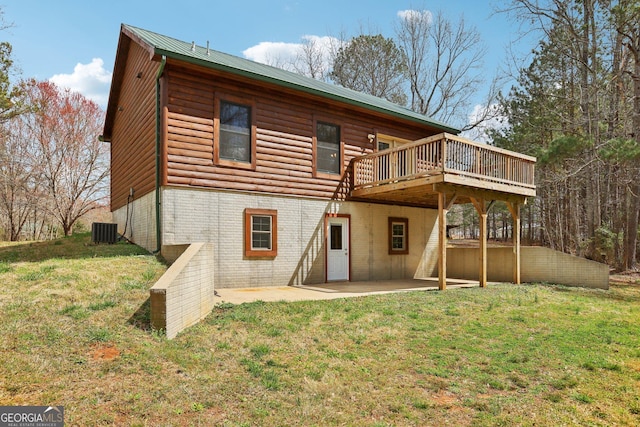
443, 207
481, 207
514, 208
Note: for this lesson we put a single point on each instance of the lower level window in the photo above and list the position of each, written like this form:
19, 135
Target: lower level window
398, 236
260, 233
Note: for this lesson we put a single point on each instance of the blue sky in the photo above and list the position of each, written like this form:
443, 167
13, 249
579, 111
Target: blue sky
74, 42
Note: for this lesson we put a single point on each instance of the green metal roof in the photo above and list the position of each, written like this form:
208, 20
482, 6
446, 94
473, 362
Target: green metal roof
173, 48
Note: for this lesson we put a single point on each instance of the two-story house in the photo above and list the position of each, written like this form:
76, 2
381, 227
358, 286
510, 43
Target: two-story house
248, 175
290, 179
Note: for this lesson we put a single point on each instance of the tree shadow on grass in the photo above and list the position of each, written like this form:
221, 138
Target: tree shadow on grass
141, 319
78, 246
616, 291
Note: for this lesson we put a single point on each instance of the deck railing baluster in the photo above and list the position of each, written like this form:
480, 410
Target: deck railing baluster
444, 154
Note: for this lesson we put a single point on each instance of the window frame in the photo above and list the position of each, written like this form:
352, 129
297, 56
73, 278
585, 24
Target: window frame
322, 174
405, 223
249, 251
392, 141
244, 102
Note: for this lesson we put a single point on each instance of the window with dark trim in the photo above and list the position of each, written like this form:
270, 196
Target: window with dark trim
260, 233
398, 236
328, 149
235, 132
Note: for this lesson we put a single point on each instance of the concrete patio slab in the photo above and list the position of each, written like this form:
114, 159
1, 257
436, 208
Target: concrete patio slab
333, 290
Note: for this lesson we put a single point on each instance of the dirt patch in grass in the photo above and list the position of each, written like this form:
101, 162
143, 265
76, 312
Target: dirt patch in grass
634, 365
444, 398
105, 353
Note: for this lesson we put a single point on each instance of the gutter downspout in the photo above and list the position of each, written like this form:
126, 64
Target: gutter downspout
163, 62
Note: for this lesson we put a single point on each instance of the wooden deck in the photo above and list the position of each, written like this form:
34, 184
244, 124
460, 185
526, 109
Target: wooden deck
444, 169
415, 173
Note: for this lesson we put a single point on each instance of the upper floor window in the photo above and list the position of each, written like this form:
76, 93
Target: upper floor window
328, 152
235, 132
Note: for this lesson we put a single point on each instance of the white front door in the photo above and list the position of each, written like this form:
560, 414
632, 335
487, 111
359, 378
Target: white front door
338, 249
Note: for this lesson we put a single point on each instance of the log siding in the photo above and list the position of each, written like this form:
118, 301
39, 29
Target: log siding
134, 133
283, 135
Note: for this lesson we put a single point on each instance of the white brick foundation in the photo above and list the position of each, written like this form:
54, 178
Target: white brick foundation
191, 215
141, 226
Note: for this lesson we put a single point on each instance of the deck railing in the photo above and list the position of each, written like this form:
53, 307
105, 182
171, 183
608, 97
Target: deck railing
444, 154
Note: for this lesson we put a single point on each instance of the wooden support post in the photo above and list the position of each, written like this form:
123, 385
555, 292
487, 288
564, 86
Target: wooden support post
442, 242
483, 248
514, 208
443, 207
481, 207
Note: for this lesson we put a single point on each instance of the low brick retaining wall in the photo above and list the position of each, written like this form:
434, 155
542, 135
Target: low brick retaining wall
184, 295
538, 264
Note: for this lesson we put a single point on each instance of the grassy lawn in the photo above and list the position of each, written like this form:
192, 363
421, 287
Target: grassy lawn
75, 332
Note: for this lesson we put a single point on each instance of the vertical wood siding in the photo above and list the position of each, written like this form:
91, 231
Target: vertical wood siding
284, 136
134, 137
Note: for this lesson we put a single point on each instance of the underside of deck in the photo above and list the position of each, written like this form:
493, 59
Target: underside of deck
423, 191
442, 170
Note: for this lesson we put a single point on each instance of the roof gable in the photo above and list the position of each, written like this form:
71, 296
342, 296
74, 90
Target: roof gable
159, 45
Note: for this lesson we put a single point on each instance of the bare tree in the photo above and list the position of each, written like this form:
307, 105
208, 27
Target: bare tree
314, 57
444, 63
16, 179
15, 174
65, 126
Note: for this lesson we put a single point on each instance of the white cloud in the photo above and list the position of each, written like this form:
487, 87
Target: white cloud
288, 55
410, 14
91, 80
273, 53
